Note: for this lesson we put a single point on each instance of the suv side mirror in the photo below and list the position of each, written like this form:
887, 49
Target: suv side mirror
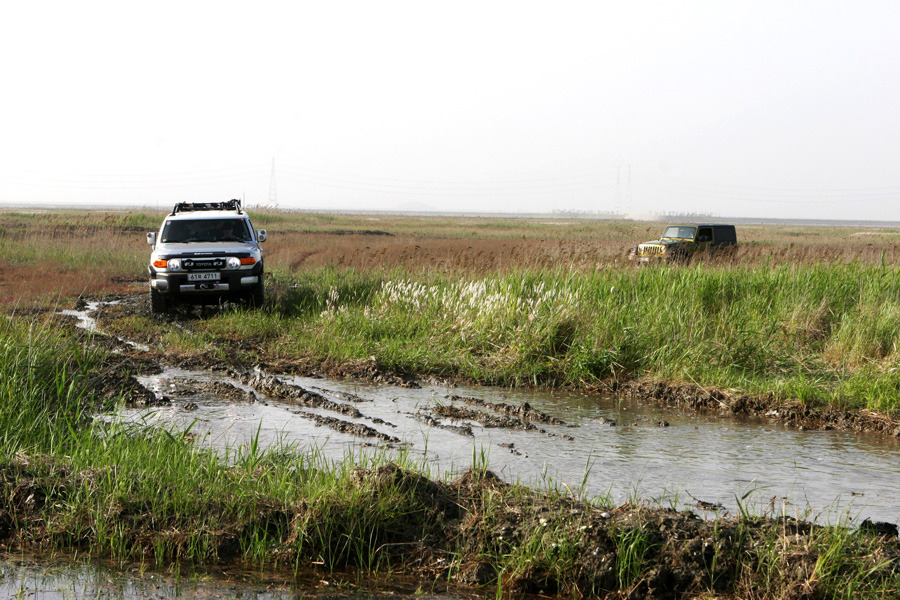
151, 238
261, 235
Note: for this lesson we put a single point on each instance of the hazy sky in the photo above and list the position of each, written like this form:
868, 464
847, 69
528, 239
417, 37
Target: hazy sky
758, 108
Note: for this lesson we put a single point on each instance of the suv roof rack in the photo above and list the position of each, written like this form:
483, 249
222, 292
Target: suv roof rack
233, 204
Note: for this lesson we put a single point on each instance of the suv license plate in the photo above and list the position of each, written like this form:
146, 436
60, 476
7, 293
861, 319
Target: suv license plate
203, 276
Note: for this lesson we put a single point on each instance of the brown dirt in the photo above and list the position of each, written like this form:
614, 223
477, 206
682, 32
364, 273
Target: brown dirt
224, 390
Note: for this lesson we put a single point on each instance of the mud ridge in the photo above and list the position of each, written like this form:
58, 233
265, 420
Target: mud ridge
457, 413
272, 387
115, 381
432, 422
219, 389
357, 429
524, 411
791, 413
485, 420
342, 395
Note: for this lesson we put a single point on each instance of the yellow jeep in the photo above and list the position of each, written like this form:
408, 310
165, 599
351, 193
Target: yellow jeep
679, 243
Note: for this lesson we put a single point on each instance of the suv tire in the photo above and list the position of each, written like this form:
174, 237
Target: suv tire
258, 294
159, 303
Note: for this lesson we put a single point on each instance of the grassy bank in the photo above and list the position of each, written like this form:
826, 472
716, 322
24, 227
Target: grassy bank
826, 335
72, 483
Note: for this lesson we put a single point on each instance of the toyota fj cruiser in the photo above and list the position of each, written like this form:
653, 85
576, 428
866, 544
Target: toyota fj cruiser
679, 243
205, 253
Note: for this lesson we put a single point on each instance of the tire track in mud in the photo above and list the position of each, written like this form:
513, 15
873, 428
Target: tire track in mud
259, 386
272, 387
266, 387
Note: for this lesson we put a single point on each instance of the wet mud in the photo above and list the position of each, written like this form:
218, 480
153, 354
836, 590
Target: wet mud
357, 429
470, 418
507, 419
427, 419
273, 387
523, 412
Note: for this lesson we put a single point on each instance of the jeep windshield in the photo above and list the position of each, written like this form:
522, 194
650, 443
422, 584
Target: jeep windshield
677, 232
205, 230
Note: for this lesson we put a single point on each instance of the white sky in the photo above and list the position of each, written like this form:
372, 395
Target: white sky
754, 109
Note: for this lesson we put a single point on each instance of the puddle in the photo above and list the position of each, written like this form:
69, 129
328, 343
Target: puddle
650, 453
89, 323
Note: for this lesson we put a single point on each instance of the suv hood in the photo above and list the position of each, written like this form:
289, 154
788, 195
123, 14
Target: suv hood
193, 248
666, 242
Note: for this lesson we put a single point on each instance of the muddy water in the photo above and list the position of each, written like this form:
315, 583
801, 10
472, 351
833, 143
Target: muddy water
71, 580
620, 450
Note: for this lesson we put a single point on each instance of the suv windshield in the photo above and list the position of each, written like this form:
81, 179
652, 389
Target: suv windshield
678, 232
205, 230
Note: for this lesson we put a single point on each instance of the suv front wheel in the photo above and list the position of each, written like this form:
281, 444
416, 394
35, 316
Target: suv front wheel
159, 303
258, 294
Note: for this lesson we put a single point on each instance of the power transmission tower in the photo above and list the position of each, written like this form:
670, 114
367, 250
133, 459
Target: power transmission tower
618, 205
629, 200
273, 196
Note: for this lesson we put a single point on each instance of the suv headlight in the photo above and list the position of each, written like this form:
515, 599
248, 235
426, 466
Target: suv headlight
174, 264
233, 262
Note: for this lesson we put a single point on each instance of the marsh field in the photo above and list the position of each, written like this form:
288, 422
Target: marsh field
798, 326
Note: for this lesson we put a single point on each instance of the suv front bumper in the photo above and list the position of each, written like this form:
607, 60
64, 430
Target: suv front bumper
228, 282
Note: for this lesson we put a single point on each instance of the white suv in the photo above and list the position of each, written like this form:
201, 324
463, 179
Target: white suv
205, 253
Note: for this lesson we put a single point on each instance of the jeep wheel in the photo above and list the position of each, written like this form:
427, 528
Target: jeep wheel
159, 303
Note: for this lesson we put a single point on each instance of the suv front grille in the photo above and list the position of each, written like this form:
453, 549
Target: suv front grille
650, 250
203, 263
